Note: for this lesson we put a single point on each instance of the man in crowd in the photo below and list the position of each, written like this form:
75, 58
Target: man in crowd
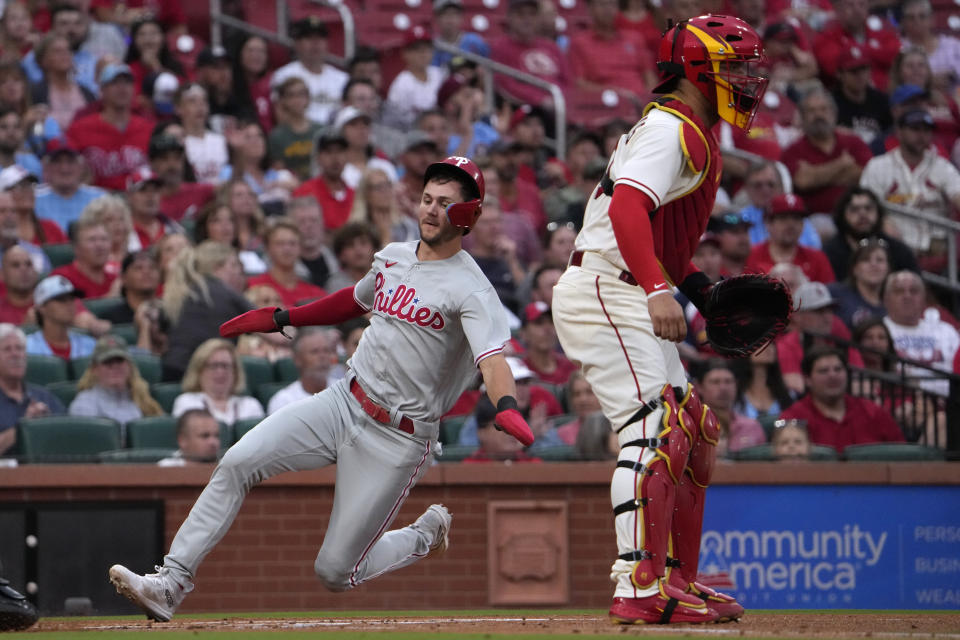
91, 271
761, 184
324, 81
824, 162
354, 245
540, 339
784, 220
448, 27
113, 140
64, 194
198, 439
139, 277
12, 135
419, 152
733, 236
855, 27
834, 417
495, 445
328, 189
315, 255
143, 197
718, 388
214, 74
20, 278
55, 302
496, 254
178, 199
860, 107
362, 94
18, 398
314, 353
516, 194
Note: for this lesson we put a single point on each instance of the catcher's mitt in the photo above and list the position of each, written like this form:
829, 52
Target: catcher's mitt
744, 313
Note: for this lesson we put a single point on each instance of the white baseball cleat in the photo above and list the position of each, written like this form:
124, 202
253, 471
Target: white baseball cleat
436, 519
158, 594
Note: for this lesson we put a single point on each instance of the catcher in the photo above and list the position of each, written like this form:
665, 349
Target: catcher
615, 314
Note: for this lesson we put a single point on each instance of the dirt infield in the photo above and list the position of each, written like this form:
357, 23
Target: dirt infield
766, 625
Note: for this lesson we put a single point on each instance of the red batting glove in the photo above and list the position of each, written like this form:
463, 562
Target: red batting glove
256, 321
513, 423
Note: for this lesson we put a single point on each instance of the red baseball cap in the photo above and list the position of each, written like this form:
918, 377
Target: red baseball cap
142, 177
535, 311
416, 34
853, 58
786, 203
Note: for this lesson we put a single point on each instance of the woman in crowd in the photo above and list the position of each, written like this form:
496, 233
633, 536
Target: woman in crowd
558, 244
249, 162
17, 36
858, 296
168, 248
206, 150
582, 402
241, 199
38, 125
59, 89
763, 394
251, 77
913, 67
202, 291
148, 55
218, 223
114, 214
29, 227
375, 204
112, 386
596, 440
214, 381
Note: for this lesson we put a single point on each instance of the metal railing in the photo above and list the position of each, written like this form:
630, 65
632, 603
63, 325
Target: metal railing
219, 20
951, 227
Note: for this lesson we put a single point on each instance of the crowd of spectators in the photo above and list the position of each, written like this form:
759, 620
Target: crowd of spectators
191, 187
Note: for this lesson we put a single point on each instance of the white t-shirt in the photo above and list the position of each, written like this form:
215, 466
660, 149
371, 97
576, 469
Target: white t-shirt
408, 96
238, 407
207, 155
326, 88
932, 342
288, 395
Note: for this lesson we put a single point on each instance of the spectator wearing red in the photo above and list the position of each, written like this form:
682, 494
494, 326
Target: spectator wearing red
824, 162
540, 338
143, 196
788, 54
733, 235
522, 49
912, 69
114, 141
835, 418
283, 251
17, 35
148, 55
784, 221
495, 445
643, 18
20, 184
19, 277
328, 188
178, 199
854, 26
607, 57
516, 196
251, 78
91, 270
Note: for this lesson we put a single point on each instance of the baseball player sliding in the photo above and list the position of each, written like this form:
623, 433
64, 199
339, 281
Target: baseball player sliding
615, 314
435, 320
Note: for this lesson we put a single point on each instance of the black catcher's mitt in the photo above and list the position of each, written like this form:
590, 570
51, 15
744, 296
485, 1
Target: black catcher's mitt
16, 612
744, 313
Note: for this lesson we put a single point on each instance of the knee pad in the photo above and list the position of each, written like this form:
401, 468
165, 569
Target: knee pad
704, 433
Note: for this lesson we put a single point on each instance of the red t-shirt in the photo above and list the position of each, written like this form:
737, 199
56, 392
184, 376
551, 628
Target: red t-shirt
539, 395
336, 206
619, 62
52, 232
541, 58
863, 423
559, 376
814, 262
823, 199
528, 203
60, 352
881, 48
186, 201
111, 153
291, 297
90, 288
646, 27
11, 313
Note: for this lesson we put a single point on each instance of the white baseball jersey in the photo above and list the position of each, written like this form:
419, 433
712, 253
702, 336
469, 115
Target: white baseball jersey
433, 322
649, 158
933, 342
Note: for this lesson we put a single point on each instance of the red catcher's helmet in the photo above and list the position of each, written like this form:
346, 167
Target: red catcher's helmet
461, 214
722, 56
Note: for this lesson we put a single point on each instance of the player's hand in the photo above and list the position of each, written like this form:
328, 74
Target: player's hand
513, 423
256, 321
667, 316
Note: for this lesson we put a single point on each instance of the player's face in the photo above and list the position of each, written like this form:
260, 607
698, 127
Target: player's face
435, 227
827, 379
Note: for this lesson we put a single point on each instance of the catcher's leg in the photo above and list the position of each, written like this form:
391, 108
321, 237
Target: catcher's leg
687, 523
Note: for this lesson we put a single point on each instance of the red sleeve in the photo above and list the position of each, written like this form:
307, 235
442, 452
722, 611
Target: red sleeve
789, 352
54, 234
630, 216
539, 395
888, 48
860, 151
824, 270
828, 48
883, 425
333, 309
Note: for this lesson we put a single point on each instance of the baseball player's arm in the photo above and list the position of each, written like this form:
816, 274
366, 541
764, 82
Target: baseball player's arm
630, 217
332, 309
501, 389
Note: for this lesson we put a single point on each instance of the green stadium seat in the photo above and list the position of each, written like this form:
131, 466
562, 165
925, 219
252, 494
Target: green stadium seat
891, 452
100, 306
258, 371
285, 371
126, 331
165, 393
761, 452
227, 437
559, 453
240, 427
67, 438
149, 366
79, 366
65, 391
265, 392
153, 432
821, 453
450, 429
59, 254
135, 456
766, 421
456, 452
46, 369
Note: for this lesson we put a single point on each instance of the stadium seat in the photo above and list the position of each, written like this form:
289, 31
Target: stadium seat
240, 427
79, 366
821, 453
65, 439
285, 371
228, 435
65, 391
99, 306
456, 452
149, 366
46, 369
761, 452
165, 393
126, 331
154, 432
258, 371
450, 429
265, 391
59, 254
891, 452
559, 453
135, 456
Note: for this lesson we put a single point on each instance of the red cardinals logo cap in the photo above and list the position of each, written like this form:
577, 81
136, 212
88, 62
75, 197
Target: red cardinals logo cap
786, 203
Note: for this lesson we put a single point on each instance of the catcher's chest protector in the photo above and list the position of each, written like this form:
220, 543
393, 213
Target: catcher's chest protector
678, 224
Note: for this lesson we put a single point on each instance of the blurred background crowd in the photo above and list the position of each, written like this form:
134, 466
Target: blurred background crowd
153, 186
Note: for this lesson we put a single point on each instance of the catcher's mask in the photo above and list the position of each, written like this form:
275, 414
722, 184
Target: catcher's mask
723, 57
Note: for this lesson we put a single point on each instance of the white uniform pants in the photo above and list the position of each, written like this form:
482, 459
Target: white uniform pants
603, 324
377, 466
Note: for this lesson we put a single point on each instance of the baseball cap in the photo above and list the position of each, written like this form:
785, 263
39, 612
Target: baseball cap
57, 147
906, 92
440, 5
14, 175
853, 58
347, 115
786, 203
416, 34
53, 287
811, 296
111, 72
330, 136
709, 238
310, 26
141, 178
210, 56
727, 221
519, 370
525, 111
161, 144
450, 86
109, 347
536, 311
916, 118
418, 138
